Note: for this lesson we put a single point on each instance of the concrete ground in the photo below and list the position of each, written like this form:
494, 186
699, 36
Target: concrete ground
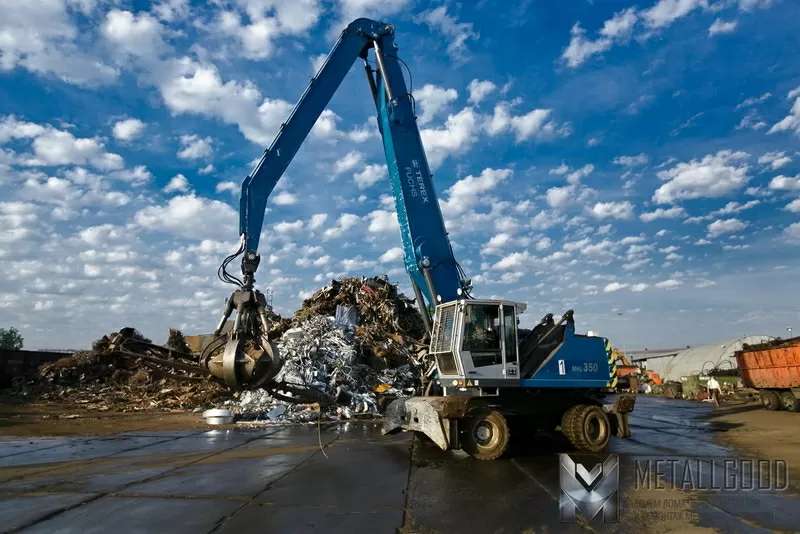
348, 478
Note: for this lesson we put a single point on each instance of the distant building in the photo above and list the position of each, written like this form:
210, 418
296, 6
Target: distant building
672, 364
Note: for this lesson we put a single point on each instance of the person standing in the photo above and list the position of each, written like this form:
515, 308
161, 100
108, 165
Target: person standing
714, 390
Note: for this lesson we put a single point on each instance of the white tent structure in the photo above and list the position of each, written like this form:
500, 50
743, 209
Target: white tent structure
696, 360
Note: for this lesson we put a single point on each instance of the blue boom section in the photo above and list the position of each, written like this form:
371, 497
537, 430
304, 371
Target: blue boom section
422, 228
421, 223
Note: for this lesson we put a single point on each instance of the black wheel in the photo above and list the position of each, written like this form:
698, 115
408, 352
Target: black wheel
770, 399
485, 434
586, 426
789, 402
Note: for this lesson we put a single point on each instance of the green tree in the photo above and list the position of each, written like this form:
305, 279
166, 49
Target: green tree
10, 339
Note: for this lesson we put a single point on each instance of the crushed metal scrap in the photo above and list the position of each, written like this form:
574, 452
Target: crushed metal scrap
353, 346
125, 371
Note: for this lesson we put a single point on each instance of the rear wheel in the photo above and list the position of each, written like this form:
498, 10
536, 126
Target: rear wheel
586, 426
790, 402
771, 400
485, 434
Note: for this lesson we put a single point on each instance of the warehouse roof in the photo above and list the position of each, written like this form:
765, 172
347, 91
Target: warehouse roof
696, 360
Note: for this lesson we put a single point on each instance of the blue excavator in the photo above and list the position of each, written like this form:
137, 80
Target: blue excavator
490, 372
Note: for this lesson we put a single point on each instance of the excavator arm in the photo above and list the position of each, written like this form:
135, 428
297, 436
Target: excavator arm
246, 357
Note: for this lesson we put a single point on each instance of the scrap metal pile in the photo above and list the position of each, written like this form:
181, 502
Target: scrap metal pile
124, 371
354, 345
357, 342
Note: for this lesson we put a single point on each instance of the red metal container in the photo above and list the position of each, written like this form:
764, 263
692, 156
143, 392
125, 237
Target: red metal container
776, 367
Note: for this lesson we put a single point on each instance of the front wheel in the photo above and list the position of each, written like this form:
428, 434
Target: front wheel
485, 434
586, 426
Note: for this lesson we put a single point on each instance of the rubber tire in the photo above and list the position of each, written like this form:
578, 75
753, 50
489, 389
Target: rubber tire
576, 426
771, 400
471, 445
789, 402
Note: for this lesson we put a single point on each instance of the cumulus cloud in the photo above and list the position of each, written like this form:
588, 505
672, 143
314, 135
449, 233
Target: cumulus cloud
479, 90
785, 183
370, 175
433, 100
725, 226
456, 33
615, 30
195, 147
392, 255
535, 124
177, 183
466, 193
661, 213
715, 175
616, 210
792, 120
284, 198
631, 161
669, 284
614, 286
720, 26
192, 217
128, 129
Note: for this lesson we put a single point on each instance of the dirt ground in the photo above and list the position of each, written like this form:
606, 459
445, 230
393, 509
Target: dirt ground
760, 433
18, 419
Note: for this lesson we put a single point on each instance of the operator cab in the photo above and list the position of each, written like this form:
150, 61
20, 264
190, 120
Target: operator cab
477, 340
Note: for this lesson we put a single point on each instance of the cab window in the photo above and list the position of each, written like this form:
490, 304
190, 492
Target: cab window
482, 332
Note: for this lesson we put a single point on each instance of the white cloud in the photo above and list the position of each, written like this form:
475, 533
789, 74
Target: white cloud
785, 183
792, 120
544, 243
631, 161
720, 26
459, 133
616, 210
195, 147
348, 162
661, 213
638, 288
269, 21
616, 29
752, 101
286, 227
576, 176
284, 198
128, 129
317, 220
793, 206
479, 90
227, 186
383, 221
705, 283
457, 33
465, 194
41, 37
558, 197
750, 5
669, 284
534, 124
725, 226
177, 183
614, 286
775, 160
560, 170
433, 100
392, 255
370, 175
345, 222
665, 12
792, 232
57, 147
208, 169
191, 217
714, 176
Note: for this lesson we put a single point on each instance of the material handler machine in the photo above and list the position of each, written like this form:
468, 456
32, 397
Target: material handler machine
489, 373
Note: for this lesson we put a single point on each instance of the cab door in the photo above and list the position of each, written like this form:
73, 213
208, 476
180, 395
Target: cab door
482, 352
510, 342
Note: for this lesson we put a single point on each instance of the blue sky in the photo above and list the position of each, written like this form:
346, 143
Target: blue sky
638, 163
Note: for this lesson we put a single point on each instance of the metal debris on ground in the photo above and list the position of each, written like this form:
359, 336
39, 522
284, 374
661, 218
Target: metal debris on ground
124, 371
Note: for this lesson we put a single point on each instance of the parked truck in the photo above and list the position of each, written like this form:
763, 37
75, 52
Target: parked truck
773, 368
